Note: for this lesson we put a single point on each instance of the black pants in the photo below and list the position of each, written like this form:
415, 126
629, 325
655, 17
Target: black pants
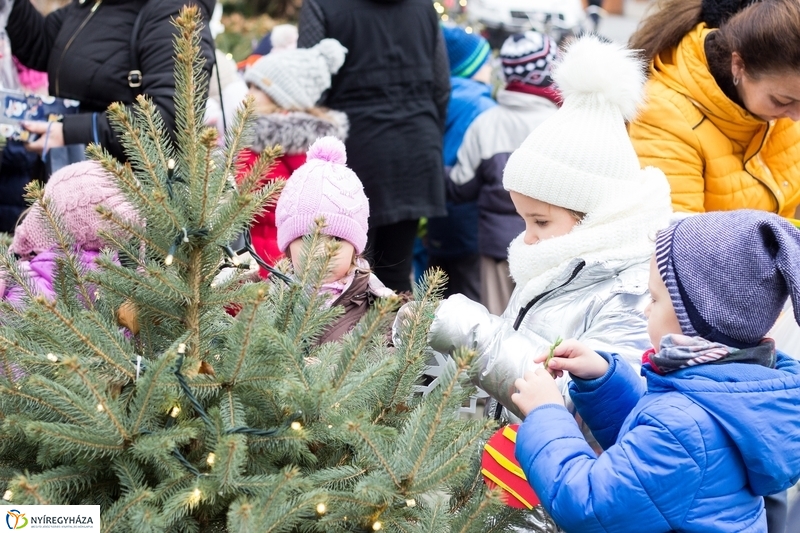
463, 274
390, 250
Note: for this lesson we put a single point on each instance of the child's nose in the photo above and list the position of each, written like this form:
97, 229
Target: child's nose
530, 238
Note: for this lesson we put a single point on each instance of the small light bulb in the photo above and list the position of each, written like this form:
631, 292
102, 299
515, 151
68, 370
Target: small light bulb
168, 260
321, 508
297, 426
175, 412
229, 56
377, 526
8, 495
171, 164
52, 357
411, 502
100, 408
211, 458
181, 348
330, 426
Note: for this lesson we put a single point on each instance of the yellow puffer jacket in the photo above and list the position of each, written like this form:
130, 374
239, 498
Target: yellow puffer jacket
716, 155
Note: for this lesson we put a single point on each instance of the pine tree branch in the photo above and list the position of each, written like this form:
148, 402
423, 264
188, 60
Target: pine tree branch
250, 325
356, 428
364, 339
121, 508
433, 427
138, 234
121, 121
72, 365
69, 323
22, 484
62, 433
13, 391
144, 396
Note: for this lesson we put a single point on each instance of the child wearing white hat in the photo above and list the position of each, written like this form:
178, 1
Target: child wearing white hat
591, 215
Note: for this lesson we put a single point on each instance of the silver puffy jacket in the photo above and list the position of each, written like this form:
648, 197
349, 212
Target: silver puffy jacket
601, 304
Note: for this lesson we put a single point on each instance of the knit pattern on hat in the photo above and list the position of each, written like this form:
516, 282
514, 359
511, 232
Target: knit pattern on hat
467, 52
74, 193
323, 187
529, 58
295, 79
729, 274
622, 231
582, 155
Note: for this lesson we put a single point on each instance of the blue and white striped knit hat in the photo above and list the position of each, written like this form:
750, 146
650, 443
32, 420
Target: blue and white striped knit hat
729, 273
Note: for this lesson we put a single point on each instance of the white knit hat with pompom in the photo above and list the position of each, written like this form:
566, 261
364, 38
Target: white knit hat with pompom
295, 79
582, 154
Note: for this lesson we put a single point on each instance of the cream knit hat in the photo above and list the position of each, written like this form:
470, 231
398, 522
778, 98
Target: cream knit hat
296, 79
582, 154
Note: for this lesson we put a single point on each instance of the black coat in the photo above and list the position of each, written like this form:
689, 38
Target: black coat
85, 49
394, 86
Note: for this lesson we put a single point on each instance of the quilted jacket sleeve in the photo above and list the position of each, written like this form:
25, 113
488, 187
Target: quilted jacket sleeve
32, 35
663, 138
605, 402
649, 477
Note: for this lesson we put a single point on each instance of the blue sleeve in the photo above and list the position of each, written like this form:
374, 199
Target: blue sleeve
648, 477
604, 403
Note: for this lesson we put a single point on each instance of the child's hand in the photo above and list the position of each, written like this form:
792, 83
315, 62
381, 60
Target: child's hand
538, 388
577, 359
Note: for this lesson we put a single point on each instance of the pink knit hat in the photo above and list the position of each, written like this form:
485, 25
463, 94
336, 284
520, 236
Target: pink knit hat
74, 193
323, 187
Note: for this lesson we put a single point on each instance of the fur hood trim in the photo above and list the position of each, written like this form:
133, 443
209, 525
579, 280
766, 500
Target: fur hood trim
296, 131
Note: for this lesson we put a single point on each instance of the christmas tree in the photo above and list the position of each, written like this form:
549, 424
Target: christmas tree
192, 419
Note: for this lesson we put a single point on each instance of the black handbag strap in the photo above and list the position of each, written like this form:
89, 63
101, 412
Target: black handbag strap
135, 74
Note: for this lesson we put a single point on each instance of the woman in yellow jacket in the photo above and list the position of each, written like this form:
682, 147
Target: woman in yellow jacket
720, 118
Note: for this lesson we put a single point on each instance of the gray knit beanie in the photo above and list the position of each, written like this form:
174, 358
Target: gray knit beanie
729, 273
296, 79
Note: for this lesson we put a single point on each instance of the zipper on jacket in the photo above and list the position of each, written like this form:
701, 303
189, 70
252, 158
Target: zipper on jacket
761, 160
524, 310
71, 39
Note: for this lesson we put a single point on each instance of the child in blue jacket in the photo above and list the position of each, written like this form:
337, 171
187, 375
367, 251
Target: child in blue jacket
715, 427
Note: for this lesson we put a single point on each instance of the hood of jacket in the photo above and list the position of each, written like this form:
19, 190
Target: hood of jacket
684, 69
763, 421
295, 131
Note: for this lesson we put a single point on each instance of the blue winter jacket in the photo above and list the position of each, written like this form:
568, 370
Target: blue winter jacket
695, 452
457, 233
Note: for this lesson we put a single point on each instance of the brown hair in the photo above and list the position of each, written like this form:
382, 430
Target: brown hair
664, 28
765, 34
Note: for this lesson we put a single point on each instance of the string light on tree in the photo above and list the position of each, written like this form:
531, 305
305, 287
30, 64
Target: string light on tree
297, 426
321, 509
8, 495
100, 408
377, 526
53, 358
411, 502
175, 411
210, 459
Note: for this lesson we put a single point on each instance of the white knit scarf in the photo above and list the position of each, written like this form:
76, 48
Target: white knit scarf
621, 229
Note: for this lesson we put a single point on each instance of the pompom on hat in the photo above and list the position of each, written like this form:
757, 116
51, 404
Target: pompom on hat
729, 273
296, 78
74, 193
323, 187
582, 156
